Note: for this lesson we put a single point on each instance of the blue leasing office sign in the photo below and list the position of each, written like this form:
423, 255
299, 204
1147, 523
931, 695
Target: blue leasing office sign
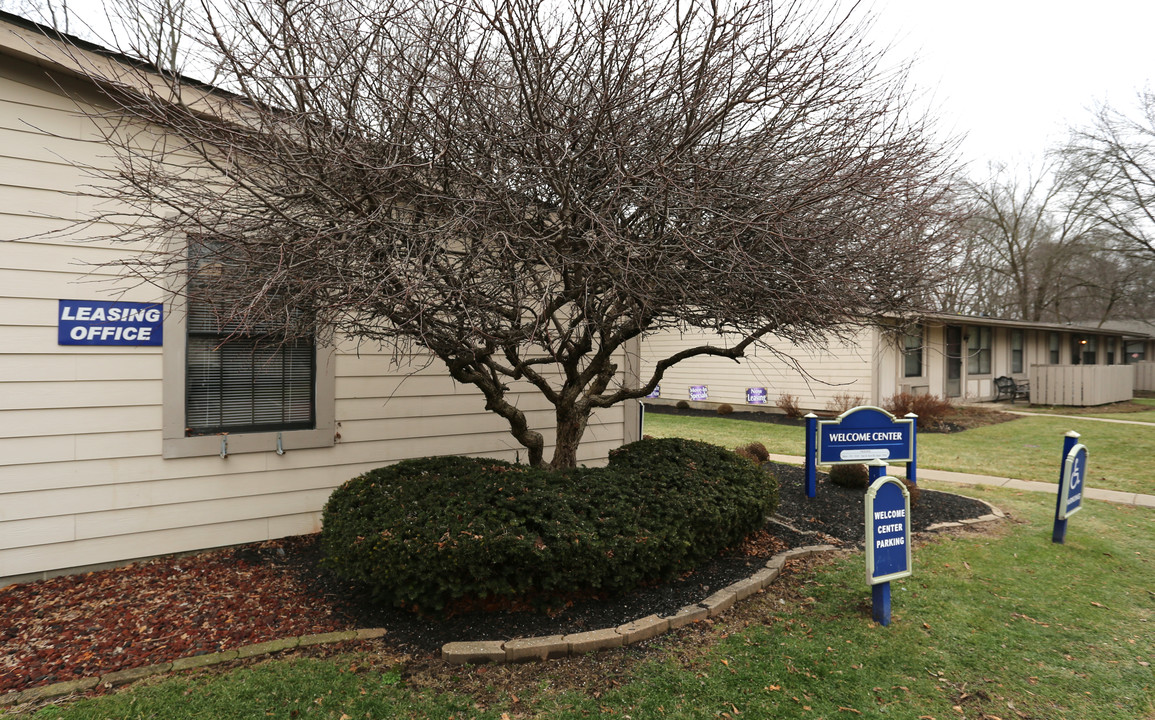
1074, 474
887, 531
756, 396
101, 322
865, 433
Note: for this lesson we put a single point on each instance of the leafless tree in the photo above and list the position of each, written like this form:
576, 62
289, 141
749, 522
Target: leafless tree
1115, 157
152, 30
1107, 284
55, 14
1023, 238
523, 189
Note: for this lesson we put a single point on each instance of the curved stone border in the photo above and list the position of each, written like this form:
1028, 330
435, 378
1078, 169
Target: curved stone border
123, 677
554, 646
994, 514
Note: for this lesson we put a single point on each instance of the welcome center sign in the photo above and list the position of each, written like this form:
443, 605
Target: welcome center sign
865, 433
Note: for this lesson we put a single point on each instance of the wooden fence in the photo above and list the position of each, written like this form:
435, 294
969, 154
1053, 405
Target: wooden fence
1081, 385
1145, 376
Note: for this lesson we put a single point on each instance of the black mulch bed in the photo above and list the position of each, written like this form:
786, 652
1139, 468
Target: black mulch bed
834, 517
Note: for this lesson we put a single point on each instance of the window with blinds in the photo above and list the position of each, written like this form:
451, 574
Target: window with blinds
244, 382
979, 351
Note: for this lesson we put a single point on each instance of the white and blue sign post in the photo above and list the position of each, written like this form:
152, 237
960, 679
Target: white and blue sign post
811, 466
856, 436
887, 539
912, 464
1072, 478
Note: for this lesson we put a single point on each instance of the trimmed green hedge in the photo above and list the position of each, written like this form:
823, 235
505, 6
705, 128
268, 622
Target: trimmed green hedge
423, 533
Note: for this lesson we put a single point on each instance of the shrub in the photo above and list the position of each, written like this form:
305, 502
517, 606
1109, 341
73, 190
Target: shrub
756, 451
425, 533
682, 405
932, 410
842, 402
788, 404
725, 409
850, 476
913, 489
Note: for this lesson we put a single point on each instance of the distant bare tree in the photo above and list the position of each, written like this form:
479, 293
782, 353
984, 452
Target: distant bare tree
1023, 239
1108, 284
1115, 157
153, 30
523, 189
54, 13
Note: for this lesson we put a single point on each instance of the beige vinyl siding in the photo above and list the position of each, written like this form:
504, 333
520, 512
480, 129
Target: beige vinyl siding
82, 478
841, 368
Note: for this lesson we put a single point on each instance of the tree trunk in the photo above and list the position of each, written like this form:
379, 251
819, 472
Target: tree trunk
570, 428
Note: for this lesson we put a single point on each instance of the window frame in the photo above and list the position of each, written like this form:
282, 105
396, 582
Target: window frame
913, 353
175, 441
978, 354
1017, 353
1090, 348
1134, 347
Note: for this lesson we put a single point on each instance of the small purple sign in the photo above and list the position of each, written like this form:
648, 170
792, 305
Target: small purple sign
699, 392
656, 393
756, 396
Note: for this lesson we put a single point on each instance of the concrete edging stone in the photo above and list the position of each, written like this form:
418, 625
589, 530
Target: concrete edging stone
542, 648
459, 653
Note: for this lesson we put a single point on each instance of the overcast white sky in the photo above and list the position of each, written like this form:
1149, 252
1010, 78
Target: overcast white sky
1013, 75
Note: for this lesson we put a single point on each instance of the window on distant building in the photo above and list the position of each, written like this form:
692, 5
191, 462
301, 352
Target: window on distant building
1090, 349
979, 351
1016, 351
1110, 348
1056, 341
912, 347
1135, 350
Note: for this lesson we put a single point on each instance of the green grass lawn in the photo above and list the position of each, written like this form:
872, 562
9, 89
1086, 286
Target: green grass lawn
999, 623
1120, 457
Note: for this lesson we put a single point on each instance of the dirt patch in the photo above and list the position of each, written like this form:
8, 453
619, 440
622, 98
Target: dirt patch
968, 417
1121, 408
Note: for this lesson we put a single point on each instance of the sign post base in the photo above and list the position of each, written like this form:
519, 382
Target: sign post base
880, 601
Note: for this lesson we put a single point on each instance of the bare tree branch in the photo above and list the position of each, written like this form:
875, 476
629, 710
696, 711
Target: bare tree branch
1115, 158
523, 188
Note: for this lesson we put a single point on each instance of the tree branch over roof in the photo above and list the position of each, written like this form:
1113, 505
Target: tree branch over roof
523, 189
